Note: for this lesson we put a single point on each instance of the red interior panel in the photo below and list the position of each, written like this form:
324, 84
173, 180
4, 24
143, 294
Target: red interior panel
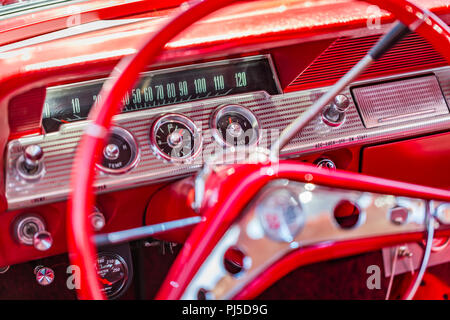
423, 160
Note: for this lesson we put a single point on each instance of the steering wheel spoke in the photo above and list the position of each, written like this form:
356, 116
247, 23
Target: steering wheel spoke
288, 216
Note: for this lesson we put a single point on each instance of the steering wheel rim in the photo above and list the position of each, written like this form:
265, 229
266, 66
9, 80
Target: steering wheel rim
79, 233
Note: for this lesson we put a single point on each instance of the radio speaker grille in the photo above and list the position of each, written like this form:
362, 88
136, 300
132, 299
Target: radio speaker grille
401, 100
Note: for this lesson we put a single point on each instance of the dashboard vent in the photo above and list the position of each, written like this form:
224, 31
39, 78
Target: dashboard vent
412, 53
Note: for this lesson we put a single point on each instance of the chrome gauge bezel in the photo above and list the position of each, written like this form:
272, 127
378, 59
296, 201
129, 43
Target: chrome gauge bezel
241, 110
190, 125
135, 152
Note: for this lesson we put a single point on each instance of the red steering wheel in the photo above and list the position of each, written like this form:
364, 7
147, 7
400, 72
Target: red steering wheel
81, 248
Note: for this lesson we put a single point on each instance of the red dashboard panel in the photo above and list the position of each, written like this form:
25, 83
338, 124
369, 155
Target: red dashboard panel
423, 160
411, 53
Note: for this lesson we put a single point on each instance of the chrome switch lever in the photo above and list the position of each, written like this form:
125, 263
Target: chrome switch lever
30, 164
32, 155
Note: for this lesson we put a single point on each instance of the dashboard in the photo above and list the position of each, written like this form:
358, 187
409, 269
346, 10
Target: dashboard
157, 143
214, 90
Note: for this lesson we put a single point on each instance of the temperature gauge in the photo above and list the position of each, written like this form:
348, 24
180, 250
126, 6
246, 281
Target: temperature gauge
234, 125
121, 152
175, 138
112, 271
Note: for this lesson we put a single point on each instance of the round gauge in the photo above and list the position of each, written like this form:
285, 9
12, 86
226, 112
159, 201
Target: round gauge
120, 153
112, 271
175, 138
234, 125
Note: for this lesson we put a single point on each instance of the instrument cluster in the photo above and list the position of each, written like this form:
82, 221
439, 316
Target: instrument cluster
157, 143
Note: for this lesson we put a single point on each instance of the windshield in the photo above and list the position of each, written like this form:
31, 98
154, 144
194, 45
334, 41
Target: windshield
16, 6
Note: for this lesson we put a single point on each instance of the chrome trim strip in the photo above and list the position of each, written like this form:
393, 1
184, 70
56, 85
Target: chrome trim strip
69, 32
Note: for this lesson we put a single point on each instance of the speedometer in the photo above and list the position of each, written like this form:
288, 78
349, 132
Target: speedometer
72, 102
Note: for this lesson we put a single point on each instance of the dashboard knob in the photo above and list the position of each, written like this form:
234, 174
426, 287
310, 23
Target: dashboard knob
399, 215
334, 114
325, 163
443, 213
341, 102
33, 154
42, 240
98, 220
44, 275
30, 230
29, 165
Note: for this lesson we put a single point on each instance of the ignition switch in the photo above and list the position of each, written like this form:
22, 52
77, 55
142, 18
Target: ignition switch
30, 230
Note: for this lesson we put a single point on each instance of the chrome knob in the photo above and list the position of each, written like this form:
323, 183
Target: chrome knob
325, 163
443, 213
30, 165
341, 102
175, 139
42, 240
98, 220
235, 130
33, 154
30, 230
44, 275
334, 114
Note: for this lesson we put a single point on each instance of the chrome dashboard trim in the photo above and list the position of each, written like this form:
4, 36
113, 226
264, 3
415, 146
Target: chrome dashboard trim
70, 31
274, 113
